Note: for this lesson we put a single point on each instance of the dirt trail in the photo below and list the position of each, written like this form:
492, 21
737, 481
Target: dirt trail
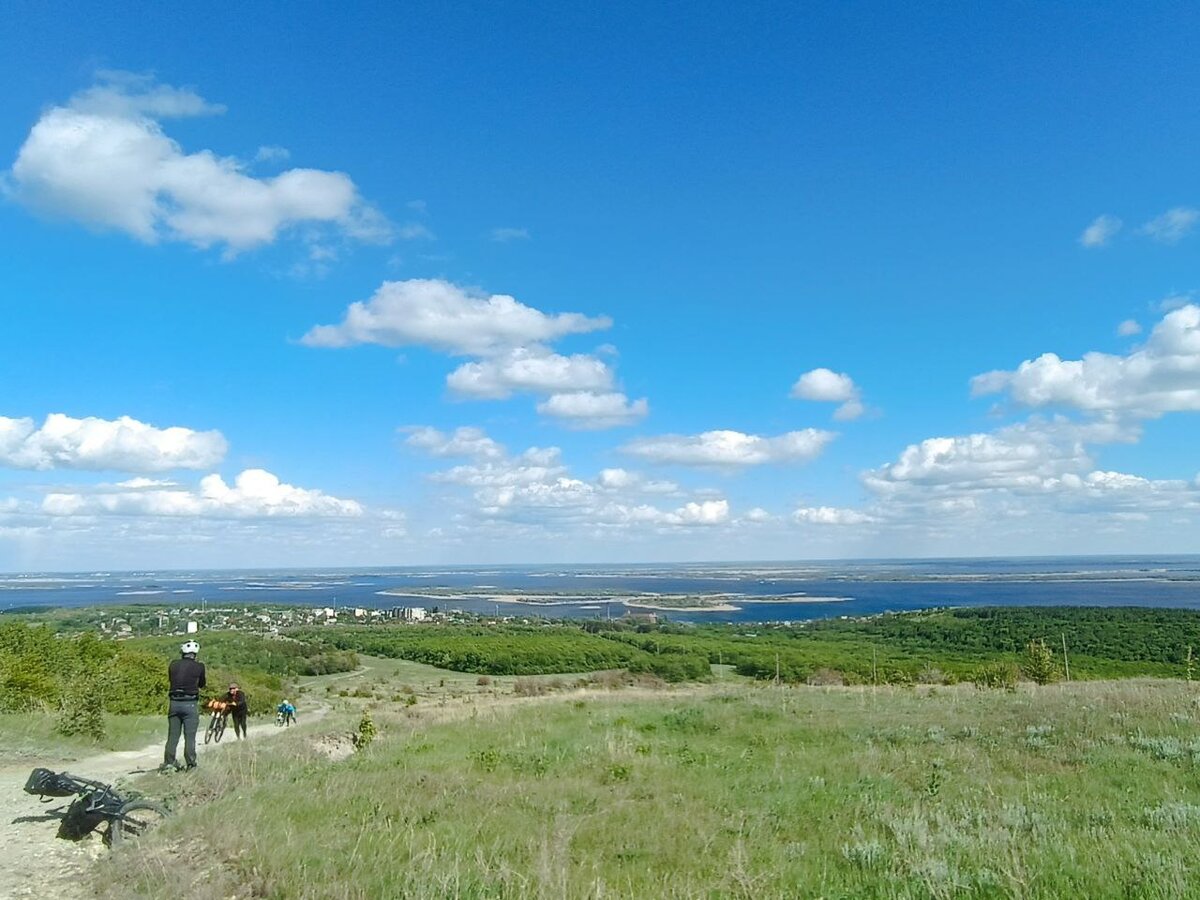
35, 863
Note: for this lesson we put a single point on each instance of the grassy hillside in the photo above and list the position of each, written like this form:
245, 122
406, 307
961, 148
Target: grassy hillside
1082, 789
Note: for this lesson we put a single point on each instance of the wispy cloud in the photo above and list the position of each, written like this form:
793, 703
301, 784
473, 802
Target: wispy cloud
1173, 225
414, 231
1102, 230
506, 235
272, 154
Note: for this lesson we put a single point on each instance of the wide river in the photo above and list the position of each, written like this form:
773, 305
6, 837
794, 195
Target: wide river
764, 591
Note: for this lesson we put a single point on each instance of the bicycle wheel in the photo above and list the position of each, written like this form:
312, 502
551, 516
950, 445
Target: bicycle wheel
135, 819
212, 727
219, 730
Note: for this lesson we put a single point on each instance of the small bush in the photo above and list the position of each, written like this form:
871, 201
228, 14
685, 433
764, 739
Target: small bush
487, 759
996, 676
365, 733
483, 681
609, 678
83, 710
529, 687
932, 675
827, 678
689, 721
1040, 665
619, 772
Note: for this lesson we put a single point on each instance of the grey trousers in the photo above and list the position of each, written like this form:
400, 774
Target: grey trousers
184, 716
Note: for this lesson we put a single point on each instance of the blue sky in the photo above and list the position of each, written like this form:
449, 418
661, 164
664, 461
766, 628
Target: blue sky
555, 283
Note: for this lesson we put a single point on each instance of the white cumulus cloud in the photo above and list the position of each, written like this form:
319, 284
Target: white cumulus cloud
443, 316
255, 493
529, 369
104, 159
831, 515
124, 445
1128, 328
731, 448
536, 489
591, 410
1161, 376
509, 340
1102, 230
826, 386
465, 441
1020, 456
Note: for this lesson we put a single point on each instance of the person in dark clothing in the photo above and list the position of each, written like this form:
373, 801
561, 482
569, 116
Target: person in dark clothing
237, 709
186, 675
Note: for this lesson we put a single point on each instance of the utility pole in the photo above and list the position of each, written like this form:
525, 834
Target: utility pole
1066, 662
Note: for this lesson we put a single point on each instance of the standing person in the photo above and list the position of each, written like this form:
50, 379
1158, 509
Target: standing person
186, 675
237, 708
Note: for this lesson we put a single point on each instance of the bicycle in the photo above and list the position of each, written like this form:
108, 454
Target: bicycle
217, 721
288, 719
128, 816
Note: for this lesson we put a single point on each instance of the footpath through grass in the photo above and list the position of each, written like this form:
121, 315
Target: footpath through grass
728, 791
33, 736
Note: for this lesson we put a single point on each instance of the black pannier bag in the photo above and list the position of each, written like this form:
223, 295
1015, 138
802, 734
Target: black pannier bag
46, 783
78, 823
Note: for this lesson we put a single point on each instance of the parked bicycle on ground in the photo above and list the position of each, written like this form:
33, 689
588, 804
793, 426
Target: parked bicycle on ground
128, 815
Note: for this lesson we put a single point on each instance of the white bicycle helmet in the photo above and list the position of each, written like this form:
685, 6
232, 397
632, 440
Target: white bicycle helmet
189, 647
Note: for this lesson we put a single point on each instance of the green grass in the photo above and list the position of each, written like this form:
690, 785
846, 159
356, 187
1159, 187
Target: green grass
725, 791
31, 736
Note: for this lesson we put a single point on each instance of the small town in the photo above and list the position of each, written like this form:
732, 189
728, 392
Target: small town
143, 621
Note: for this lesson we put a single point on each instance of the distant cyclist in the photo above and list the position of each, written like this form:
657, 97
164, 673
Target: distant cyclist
238, 710
186, 676
285, 713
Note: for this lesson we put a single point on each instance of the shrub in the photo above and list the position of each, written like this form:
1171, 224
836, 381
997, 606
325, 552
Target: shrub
83, 710
996, 676
529, 687
366, 732
1040, 665
932, 675
483, 681
826, 677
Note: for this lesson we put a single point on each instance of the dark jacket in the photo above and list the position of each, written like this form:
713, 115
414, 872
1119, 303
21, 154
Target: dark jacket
237, 705
187, 677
